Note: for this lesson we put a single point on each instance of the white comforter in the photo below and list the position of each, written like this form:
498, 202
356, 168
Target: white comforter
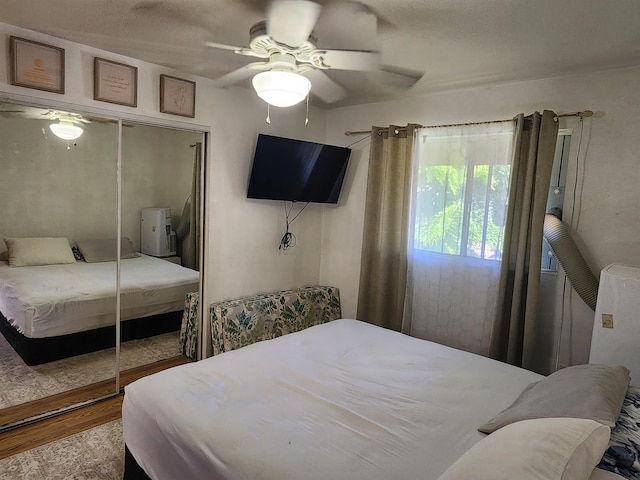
343, 400
49, 300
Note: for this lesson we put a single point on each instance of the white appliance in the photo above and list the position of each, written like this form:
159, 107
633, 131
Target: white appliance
156, 237
616, 329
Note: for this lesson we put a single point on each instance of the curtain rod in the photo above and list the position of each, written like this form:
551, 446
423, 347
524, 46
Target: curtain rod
582, 114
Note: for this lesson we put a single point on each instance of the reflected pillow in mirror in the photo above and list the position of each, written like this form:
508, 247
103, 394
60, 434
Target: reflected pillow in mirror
95, 251
38, 251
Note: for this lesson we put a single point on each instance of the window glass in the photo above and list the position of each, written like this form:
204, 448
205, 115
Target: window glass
461, 190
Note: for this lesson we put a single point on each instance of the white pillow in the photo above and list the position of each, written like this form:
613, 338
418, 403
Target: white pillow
599, 474
38, 251
538, 449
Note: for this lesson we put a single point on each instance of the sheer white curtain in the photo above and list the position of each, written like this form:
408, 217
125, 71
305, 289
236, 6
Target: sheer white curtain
460, 187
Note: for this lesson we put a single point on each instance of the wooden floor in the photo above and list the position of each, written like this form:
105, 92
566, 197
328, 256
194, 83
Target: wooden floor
62, 425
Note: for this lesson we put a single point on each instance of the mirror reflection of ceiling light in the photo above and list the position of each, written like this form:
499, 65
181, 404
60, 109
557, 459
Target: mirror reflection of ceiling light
66, 130
281, 88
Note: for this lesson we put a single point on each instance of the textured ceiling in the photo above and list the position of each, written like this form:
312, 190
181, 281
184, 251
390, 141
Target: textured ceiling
453, 43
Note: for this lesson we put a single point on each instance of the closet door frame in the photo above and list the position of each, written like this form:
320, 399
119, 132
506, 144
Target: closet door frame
120, 118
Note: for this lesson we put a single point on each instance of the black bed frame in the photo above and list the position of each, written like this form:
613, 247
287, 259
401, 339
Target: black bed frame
35, 351
132, 471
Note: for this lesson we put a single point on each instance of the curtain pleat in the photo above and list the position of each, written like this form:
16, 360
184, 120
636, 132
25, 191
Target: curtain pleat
193, 247
383, 269
515, 337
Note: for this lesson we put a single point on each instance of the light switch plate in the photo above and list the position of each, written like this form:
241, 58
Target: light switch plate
607, 320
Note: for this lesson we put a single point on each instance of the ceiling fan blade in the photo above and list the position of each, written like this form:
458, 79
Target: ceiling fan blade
324, 88
351, 60
239, 50
222, 46
348, 25
399, 77
292, 21
240, 74
176, 11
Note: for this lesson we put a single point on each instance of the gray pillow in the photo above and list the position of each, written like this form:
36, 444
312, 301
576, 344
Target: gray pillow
595, 392
105, 250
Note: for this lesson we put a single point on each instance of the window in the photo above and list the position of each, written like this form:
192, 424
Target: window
462, 184
557, 191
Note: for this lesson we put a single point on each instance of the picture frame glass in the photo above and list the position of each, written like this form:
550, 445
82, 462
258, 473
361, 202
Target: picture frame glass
177, 96
37, 65
115, 82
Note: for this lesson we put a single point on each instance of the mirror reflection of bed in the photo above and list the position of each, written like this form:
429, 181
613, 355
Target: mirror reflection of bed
59, 204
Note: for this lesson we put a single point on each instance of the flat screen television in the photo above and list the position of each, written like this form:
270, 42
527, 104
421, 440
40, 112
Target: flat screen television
297, 170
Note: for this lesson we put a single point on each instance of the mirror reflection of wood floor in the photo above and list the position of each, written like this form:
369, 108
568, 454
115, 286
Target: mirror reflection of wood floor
22, 383
89, 437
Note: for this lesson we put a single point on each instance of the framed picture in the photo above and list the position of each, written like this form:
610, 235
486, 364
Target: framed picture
177, 96
36, 65
115, 82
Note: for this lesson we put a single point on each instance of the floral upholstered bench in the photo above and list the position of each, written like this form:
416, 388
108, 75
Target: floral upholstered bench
189, 327
243, 321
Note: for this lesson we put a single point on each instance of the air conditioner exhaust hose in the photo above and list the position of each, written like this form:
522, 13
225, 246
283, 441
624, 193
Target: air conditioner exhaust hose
566, 251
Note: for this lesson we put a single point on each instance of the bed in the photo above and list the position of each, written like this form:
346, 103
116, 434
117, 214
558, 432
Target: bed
58, 310
340, 400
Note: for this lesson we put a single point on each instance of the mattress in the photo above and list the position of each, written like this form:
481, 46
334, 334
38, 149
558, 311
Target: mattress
50, 300
342, 400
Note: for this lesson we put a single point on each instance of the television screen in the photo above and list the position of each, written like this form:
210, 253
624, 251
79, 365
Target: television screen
296, 170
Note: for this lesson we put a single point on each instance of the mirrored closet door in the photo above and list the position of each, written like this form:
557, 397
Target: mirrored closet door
60, 290
161, 170
56, 192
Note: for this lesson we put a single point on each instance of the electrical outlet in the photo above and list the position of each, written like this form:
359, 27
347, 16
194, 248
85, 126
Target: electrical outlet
607, 320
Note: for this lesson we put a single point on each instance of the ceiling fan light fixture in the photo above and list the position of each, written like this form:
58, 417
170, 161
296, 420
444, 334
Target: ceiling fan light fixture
281, 88
66, 130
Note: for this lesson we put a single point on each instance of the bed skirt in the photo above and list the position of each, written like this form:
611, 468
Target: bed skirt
35, 351
132, 471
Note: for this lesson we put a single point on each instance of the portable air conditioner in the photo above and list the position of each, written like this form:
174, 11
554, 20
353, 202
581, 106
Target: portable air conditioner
616, 328
156, 237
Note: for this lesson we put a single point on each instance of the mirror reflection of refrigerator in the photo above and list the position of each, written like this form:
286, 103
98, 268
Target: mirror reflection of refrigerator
156, 237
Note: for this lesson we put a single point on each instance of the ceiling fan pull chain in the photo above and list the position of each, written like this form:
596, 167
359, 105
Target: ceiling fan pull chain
306, 120
268, 119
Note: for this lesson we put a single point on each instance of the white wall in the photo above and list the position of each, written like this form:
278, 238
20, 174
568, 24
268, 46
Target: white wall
605, 221
49, 190
157, 171
243, 235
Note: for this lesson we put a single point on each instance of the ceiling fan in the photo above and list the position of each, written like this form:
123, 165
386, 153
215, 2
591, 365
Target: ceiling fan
292, 64
65, 116
69, 125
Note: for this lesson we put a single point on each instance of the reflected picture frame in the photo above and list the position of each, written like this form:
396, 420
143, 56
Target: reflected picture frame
177, 96
115, 82
36, 65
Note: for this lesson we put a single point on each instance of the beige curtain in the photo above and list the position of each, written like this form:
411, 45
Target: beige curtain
189, 229
515, 337
383, 268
